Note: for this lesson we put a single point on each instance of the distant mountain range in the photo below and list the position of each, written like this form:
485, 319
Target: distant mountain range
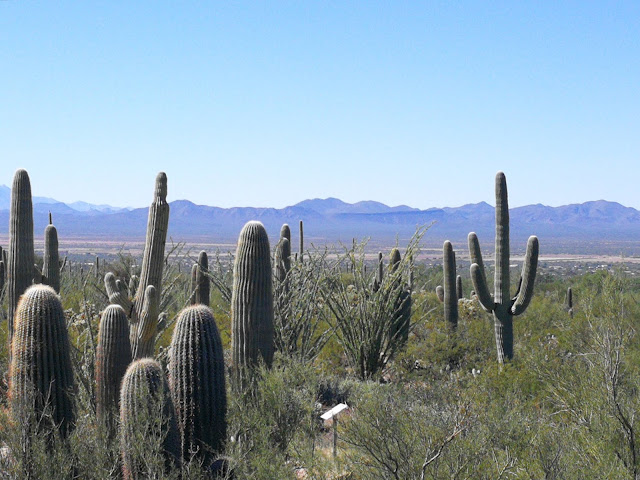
331, 220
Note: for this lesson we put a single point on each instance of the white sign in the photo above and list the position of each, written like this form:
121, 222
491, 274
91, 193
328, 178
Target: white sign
334, 411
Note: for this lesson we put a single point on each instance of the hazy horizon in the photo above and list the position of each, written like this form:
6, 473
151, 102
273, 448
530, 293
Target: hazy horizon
266, 105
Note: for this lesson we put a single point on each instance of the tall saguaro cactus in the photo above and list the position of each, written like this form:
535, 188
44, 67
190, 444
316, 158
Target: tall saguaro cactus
501, 304
51, 265
143, 310
196, 379
252, 301
113, 356
41, 376
21, 256
448, 294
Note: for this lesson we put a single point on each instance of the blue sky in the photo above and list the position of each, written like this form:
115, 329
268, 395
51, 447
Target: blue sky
270, 103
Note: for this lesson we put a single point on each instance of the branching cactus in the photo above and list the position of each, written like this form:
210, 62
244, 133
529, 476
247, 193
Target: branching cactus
113, 356
21, 257
448, 294
147, 420
196, 379
151, 275
41, 376
501, 304
252, 302
51, 265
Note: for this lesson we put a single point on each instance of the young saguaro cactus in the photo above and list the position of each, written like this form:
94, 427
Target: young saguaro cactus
196, 379
203, 285
51, 265
147, 418
501, 304
113, 356
448, 294
21, 256
252, 301
41, 376
282, 255
570, 301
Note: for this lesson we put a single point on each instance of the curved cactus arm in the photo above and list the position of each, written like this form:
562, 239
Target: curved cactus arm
528, 277
480, 286
440, 292
475, 253
116, 296
144, 343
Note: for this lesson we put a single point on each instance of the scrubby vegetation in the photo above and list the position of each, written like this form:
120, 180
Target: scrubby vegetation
426, 401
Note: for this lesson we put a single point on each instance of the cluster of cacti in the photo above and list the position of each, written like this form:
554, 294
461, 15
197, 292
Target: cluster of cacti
448, 294
252, 302
147, 416
501, 304
143, 309
41, 377
21, 256
200, 283
51, 265
196, 378
282, 254
113, 356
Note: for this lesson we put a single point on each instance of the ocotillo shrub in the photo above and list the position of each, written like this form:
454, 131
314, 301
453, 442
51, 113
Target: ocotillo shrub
196, 379
252, 301
147, 422
41, 376
113, 356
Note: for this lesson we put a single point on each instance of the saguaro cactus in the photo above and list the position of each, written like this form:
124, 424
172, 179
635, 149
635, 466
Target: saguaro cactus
378, 278
151, 275
202, 280
402, 307
51, 265
113, 356
501, 304
196, 379
282, 255
147, 417
21, 256
41, 376
448, 294
252, 301
570, 301
459, 292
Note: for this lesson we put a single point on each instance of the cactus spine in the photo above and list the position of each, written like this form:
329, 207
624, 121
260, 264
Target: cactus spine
448, 294
21, 256
41, 376
51, 265
196, 378
503, 307
145, 393
252, 301
113, 356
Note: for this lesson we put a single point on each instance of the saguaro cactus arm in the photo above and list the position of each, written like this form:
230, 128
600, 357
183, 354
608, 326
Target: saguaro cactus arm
115, 294
481, 289
528, 277
144, 343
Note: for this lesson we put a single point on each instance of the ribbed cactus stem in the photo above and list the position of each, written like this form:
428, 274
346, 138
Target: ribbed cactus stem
402, 305
144, 342
21, 255
153, 257
202, 280
147, 417
116, 294
252, 301
51, 265
41, 376
459, 292
501, 304
282, 259
301, 242
197, 382
450, 296
113, 356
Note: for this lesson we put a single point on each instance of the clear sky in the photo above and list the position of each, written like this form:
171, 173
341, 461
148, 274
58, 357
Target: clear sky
269, 103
